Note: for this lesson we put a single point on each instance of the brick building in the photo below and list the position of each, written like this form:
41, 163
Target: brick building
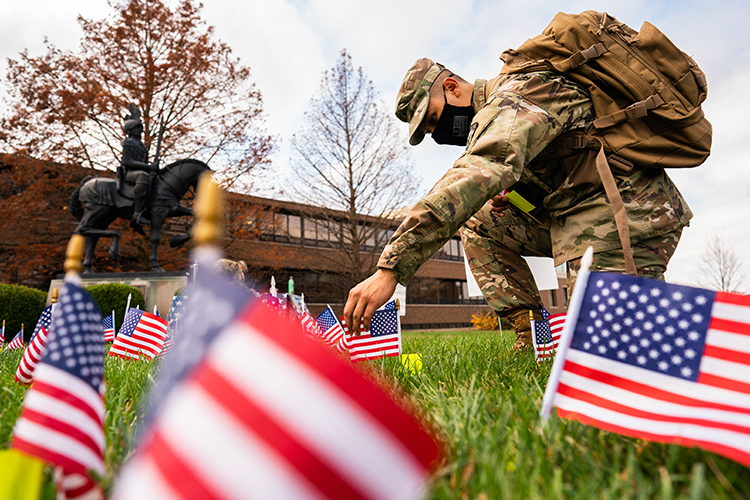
286, 239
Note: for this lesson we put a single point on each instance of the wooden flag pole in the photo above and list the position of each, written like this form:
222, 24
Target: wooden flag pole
73, 266
209, 211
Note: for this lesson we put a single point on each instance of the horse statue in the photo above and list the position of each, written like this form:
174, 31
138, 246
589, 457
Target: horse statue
96, 203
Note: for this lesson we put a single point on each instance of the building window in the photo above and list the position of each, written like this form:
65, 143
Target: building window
565, 296
552, 298
294, 226
321, 227
451, 250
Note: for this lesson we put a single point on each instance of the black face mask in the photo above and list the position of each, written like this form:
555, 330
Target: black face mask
453, 126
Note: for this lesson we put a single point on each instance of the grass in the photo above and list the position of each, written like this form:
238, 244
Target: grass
484, 403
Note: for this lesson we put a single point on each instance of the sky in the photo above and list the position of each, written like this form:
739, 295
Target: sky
288, 44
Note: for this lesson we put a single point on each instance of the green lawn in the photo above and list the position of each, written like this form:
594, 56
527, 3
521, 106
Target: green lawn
484, 402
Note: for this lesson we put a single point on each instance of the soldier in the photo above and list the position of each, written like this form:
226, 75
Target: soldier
508, 125
135, 169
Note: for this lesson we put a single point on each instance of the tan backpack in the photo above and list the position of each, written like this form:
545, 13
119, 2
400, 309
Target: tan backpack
646, 94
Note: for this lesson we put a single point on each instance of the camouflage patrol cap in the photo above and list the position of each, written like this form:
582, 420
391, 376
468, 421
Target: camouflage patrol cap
414, 95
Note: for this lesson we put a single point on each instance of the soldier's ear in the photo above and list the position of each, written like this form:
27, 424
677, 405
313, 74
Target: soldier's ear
451, 86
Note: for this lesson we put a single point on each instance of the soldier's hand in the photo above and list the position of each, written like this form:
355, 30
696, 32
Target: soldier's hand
499, 204
365, 298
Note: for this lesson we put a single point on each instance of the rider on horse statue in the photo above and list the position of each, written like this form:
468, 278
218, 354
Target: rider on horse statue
135, 173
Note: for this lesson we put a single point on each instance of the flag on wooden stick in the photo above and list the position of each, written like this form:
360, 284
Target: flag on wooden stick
656, 361
142, 334
17, 342
270, 410
383, 339
37, 347
331, 330
108, 324
546, 335
62, 420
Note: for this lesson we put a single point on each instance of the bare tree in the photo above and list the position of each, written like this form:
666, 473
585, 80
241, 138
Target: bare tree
69, 106
720, 267
350, 157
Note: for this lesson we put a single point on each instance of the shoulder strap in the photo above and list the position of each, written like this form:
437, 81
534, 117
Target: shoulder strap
574, 142
618, 207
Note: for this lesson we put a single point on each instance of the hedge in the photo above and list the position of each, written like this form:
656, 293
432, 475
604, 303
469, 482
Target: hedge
114, 297
20, 304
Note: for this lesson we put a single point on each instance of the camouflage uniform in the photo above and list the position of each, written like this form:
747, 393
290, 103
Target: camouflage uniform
517, 117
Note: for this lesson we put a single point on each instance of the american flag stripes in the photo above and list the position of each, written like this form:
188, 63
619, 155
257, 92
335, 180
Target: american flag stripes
168, 344
330, 328
63, 413
270, 413
657, 361
17, 342
141, 334
556, 324
36, 349
108, 324
545, 335
343, 344
383, 339
309, 324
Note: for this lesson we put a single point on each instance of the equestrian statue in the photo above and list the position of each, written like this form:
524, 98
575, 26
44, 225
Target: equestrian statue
141, 192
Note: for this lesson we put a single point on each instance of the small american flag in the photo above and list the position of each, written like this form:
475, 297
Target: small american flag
383, 339
269, 408
108, 324
656, 361
37, 347
17, 342
329, 326
168, 344
62, 420
173, 316
141, 334
546, 335
309, 324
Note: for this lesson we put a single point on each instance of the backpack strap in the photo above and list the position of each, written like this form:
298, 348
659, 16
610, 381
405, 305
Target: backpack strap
580, 58
618, 207
635, 110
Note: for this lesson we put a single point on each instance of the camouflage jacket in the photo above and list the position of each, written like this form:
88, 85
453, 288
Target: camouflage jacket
517, 117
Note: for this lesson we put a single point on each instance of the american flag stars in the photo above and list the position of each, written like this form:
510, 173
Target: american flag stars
645, 325
75, 344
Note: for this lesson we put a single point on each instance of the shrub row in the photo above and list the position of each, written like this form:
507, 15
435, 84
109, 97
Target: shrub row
114, 297
23, 305
20, 305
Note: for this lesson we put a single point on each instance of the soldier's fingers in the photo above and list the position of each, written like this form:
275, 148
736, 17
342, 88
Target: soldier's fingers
371, 308
357, 317
351, 304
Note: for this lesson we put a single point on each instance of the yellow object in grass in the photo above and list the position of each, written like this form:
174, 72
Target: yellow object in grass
413, 362
21, 475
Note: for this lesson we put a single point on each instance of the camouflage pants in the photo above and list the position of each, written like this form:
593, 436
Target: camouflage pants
494, 247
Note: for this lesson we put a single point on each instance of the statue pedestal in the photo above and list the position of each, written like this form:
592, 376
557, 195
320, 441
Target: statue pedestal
157, 288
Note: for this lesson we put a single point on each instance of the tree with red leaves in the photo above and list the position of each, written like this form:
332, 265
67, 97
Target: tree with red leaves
69, 107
